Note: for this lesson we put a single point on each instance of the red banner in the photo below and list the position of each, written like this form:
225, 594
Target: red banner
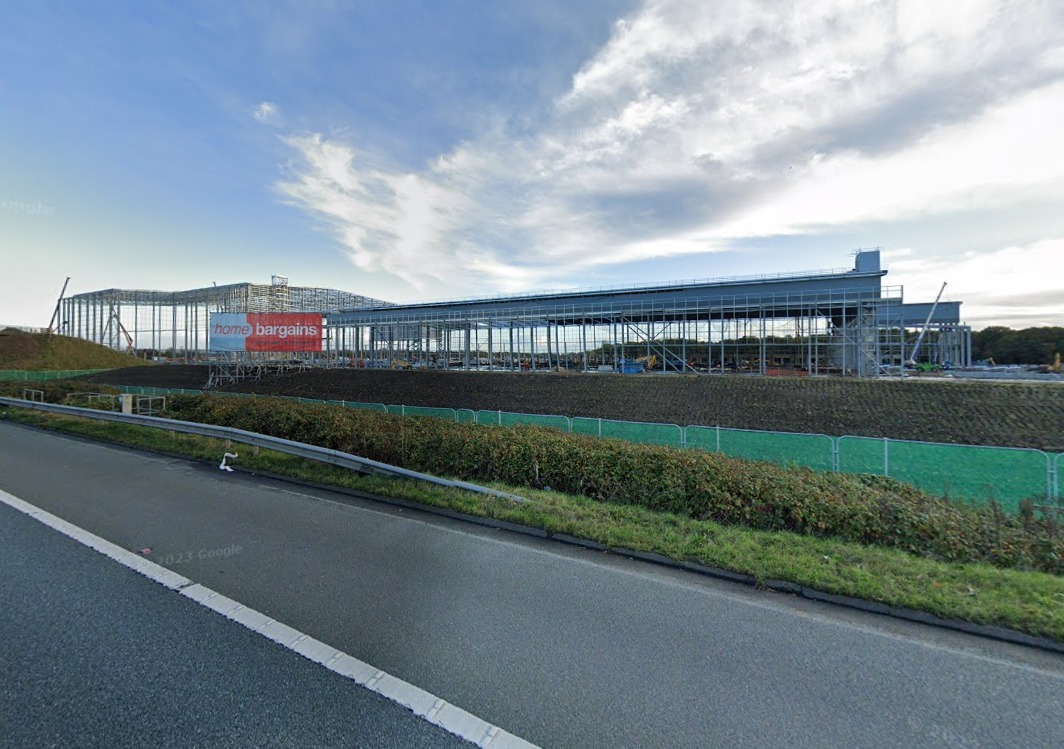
274, 331
266, 331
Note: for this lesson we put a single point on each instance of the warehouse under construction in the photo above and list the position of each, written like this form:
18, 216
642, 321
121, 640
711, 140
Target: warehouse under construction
814, 322
175, 324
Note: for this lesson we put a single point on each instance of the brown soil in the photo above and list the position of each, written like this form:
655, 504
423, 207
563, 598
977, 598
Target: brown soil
190, 376
1017, 414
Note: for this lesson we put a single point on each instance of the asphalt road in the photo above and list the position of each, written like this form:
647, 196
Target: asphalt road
94, 654
561, 646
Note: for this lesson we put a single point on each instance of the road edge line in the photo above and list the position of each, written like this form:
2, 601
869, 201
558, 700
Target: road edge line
902, 613
423, 704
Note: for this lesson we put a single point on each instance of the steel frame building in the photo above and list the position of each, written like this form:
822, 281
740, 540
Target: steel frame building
174, 323
814, 322
817, 322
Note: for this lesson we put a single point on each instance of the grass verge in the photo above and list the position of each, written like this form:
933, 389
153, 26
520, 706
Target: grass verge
1030, 602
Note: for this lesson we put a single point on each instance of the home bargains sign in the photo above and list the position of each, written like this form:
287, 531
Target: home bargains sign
265, 331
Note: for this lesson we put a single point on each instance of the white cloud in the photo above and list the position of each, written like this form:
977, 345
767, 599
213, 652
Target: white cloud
699, 124
415, 226
1017, 286
266, 112
1000, 156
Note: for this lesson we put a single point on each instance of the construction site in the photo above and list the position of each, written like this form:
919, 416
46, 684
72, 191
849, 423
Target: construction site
843, 322
174, 325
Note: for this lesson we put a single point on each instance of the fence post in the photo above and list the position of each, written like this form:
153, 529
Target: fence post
1052, 477
717, 429
886, 456
835, 462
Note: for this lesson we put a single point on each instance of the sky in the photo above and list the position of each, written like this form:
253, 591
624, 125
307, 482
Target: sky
427, 149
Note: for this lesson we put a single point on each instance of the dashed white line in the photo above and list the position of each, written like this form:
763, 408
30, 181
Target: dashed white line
425, 705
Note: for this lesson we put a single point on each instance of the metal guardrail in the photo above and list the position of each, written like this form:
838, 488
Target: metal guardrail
300, 449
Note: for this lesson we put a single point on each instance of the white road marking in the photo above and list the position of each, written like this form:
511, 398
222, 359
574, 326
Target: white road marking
425, 705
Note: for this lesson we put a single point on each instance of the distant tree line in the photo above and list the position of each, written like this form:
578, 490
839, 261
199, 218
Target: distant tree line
1008, 346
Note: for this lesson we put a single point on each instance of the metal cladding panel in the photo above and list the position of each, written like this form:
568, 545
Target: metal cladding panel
793, 296
867, 262
915, 315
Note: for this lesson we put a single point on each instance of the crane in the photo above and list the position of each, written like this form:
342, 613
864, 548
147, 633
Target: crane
920, 338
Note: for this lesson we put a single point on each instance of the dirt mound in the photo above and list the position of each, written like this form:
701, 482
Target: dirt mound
189, 376
15, 345
42, 352
1021, 415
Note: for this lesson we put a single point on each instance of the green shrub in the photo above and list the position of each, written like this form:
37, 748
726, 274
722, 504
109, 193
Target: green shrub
710, 486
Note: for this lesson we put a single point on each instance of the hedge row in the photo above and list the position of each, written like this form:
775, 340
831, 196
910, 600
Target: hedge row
865, 509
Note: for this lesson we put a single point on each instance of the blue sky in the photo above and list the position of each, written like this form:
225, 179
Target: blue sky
430, 150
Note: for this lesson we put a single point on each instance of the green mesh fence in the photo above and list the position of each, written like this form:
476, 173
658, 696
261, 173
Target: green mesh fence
506, 419
968, 472
135, 390
438, 413
1054, 489
367, 406
592, 427
27, 375
786, 448
863, 455
972, 473
632, 431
